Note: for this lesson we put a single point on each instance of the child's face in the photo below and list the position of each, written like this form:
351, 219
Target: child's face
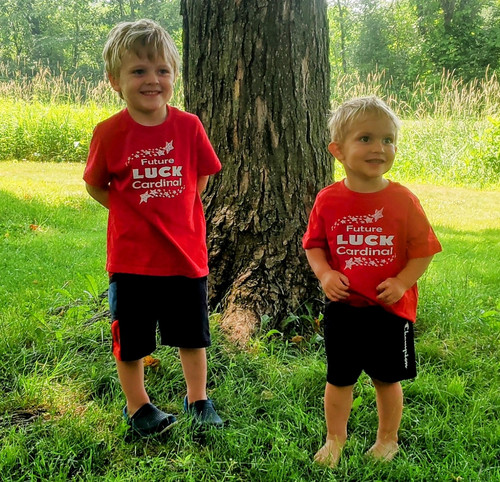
368, 149
146, 86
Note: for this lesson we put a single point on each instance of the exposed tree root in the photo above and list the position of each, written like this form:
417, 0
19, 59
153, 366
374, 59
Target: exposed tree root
239, 323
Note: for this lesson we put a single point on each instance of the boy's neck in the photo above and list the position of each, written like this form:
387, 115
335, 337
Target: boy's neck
149, 119
368, 186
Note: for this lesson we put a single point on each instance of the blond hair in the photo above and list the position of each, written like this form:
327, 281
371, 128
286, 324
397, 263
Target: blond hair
342, 119
142, 36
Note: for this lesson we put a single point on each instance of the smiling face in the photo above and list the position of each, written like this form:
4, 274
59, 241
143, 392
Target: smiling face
367, 152
146, 85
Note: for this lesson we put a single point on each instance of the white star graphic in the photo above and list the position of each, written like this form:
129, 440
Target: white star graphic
349, 263
378, 214
145, 197
169, 146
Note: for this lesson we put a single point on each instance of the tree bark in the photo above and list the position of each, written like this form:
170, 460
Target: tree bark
342, 36
257, 74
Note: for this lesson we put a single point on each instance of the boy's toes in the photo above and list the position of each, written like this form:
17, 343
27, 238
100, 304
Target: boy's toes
329, 454
384, 452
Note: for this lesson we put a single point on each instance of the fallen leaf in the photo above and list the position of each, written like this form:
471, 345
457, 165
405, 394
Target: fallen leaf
317, 325
149, 361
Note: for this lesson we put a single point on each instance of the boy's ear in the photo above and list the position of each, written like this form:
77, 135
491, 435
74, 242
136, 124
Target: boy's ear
335, 150
115, 83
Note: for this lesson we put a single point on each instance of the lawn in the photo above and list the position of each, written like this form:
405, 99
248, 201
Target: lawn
60, 410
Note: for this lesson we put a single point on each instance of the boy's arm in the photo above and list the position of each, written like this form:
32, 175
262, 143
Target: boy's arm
101, 195
392, 289
334, 284
202, 184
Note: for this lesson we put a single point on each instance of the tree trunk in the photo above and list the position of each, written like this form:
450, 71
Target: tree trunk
342, 36
257, 74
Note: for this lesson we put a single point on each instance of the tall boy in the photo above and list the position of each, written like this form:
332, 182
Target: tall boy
149, 164
368, 241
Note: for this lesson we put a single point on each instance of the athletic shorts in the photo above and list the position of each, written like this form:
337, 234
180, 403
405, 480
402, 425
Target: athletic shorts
367, 339
140, 305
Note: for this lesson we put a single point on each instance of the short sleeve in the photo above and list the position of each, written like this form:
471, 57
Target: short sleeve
208, 162
422, 241
96, 171
315, 236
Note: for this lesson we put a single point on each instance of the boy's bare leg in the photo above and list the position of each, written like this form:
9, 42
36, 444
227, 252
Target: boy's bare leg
194, 366
390, 411
131, 375
338, 402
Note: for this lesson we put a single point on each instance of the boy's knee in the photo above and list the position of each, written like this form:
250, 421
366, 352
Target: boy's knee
344, 390
382, 385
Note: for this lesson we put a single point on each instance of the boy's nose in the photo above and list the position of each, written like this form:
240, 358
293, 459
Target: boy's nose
152, 78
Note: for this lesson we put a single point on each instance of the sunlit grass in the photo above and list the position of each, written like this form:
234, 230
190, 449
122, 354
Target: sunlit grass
460, 209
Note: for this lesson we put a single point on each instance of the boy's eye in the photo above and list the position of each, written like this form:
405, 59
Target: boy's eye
364, 139
388, 140
138, 71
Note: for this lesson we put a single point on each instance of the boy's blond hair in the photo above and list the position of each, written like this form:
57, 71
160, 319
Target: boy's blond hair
142, 36
342, 119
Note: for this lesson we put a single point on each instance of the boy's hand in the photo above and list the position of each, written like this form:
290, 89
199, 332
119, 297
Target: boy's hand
391, 290
335, 285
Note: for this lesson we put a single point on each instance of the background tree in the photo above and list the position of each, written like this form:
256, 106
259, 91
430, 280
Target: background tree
405, 39
257, 74
460, 35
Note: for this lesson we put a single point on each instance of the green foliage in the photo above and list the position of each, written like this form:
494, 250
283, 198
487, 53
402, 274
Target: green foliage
460, 36
412, 39
51, 117
408, 39
68, 35
487, 149
35, 131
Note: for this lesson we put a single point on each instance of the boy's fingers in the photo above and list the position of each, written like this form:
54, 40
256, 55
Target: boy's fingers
344, 279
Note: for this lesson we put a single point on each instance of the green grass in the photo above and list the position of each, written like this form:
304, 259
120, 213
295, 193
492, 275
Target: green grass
60, 409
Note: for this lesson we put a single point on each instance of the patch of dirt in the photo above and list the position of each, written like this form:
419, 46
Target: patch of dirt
21, 418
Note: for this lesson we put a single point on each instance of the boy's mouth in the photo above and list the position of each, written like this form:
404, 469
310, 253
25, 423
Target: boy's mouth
150, 92
375, 161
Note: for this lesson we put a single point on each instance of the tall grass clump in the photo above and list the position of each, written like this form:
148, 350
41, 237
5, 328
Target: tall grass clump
450, 133
450, 97
49, 117
39, 131
46, 87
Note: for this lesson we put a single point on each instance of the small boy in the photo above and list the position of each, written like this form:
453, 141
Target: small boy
368, 241
149, 164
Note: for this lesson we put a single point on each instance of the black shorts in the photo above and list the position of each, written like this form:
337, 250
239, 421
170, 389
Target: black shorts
370, 339
140, 304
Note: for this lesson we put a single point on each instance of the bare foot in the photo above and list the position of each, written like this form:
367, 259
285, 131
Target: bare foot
383, 451
329, 454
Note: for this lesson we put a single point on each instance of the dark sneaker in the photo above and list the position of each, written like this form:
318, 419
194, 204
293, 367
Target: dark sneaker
149, 420
203, 412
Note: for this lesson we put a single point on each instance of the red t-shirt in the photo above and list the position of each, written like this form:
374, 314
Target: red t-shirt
370, 237
156, 224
